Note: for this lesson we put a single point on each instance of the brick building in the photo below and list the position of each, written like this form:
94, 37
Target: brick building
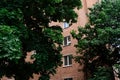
69, 69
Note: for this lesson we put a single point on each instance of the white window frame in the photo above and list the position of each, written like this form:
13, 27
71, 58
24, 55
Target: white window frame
68, 41
69, 59
66, 25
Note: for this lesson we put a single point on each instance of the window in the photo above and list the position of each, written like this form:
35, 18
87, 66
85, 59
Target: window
66, 25
67, 41
67, 60
68, 79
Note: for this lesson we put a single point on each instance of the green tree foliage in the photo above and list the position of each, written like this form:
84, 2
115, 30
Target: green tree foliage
101, 73
10, 45
24, 26
99, 42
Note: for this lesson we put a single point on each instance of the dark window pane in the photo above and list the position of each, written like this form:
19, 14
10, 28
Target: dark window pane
70, 59
65, 60
68, 79
65, 40
69, 38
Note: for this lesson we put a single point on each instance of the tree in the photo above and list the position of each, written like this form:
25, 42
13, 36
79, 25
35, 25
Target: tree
98, 42
24, 26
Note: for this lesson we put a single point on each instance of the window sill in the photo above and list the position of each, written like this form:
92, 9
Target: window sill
66, 45
67, 66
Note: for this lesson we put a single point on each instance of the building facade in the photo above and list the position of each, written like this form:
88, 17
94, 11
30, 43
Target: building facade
71, 70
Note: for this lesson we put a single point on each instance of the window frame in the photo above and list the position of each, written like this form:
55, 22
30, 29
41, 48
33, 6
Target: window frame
68, 61
68, 40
